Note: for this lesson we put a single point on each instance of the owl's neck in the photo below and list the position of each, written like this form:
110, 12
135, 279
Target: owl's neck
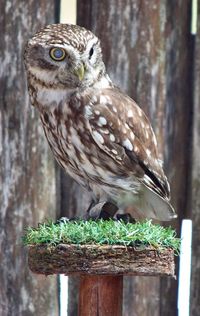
46, 97
103, 83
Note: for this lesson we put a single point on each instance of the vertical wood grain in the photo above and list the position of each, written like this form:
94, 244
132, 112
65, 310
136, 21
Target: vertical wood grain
100, 295
27, 170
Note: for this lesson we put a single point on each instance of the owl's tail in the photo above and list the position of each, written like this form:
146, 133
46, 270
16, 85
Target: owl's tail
151, 205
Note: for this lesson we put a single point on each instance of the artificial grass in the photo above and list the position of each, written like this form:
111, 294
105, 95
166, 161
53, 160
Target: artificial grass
110, 232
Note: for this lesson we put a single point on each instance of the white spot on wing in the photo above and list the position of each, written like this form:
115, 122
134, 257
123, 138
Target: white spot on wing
148, 152
130, 113
102, 121
105, 131
94, 99
132, 135
88, 111
127, 144
114, 151
108, 99
136, 149
103, 99
98, 137
139, 112
112, 137
154, 140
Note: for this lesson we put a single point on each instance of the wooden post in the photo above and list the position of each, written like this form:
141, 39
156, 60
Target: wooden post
100, 295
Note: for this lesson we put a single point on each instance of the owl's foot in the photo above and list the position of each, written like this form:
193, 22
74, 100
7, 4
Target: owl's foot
104, 210
63, 219
127, 218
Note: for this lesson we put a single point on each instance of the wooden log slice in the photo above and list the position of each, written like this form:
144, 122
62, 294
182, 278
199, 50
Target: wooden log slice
72, 259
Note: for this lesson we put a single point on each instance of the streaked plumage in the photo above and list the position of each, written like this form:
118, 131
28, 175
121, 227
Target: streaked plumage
97, 133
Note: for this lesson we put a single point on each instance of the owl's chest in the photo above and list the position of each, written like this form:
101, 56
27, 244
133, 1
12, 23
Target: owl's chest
70, 140
74, 148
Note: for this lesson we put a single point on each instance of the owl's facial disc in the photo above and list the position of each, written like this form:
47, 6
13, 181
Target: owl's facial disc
81, 68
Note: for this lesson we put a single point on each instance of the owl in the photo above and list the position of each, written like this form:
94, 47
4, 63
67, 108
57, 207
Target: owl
97, 133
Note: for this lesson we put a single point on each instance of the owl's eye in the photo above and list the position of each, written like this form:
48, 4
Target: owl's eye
57, 53
91, 52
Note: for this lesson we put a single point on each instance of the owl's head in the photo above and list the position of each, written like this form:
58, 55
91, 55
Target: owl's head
64, 54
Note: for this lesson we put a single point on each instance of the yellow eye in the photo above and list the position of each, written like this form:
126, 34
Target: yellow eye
57, 53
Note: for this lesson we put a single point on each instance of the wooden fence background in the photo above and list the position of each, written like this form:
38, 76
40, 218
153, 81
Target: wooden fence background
150, 53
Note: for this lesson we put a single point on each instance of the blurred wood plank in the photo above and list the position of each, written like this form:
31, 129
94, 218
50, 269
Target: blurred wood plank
195, 185
146, 47
27, 170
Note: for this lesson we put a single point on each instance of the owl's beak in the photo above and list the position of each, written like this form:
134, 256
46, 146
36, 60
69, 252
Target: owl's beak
80, 72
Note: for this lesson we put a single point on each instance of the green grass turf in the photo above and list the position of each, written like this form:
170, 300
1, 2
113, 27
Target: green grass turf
140, 234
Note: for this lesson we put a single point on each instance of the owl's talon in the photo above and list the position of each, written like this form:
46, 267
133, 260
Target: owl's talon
65, 219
